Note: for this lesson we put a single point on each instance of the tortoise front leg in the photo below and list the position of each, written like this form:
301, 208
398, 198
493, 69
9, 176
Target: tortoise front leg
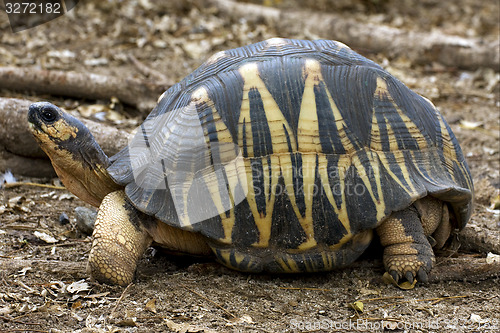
119, 241
407, 252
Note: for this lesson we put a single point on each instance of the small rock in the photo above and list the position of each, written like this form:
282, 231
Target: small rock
63, 219
85, 219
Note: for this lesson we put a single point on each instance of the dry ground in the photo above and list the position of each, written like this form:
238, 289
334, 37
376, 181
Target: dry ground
191, 295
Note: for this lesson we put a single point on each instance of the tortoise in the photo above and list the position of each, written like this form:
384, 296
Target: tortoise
282, 156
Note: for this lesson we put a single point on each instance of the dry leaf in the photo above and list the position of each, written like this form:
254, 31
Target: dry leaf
6, 310
130, 322
23, 271
403, 285
151, 305
20, 203
45, 237
89, 110
357, 306
475, 318
185, 327
76, 305
67, 196
470, 124
245, 319
495, 202
78, 286
492, 258
366, 291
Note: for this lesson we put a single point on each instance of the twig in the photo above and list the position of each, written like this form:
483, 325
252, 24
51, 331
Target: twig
23, 227
297, 288
385, 319
24, 330
17, 184
209, 300
28, 289
120, 299
439, 299
149, 72
12, 320
65, 244
380, 298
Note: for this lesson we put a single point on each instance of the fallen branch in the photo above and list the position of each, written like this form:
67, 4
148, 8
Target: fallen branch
141, 94
420, 47
477, 239
19, 150
30, 167
463, 269
15, 136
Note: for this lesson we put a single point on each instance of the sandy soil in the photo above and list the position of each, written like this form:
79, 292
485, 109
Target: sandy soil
195, 295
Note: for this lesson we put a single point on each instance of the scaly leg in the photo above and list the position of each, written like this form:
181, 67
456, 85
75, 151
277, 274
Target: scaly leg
435, 220
119, 241
407, 252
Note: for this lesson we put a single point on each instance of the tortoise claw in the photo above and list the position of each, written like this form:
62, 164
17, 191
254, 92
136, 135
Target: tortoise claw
409, 277
431, 241
422, 275
394, 275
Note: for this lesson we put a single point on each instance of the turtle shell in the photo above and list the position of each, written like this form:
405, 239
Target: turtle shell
290, 144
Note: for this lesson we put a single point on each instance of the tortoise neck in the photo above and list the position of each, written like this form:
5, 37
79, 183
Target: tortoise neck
81, 165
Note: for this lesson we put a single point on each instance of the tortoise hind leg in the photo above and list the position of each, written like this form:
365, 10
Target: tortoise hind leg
119, 240
435, 220
407, 252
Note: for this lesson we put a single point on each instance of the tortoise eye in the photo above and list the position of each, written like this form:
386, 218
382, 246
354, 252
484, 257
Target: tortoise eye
49, 115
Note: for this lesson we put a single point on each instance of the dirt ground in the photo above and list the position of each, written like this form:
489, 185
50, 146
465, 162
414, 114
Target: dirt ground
195, 295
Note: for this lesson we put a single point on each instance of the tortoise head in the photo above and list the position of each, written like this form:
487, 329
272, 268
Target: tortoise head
50, 125
76, 157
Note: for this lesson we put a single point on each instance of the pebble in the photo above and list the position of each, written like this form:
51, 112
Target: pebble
63, 219
85, 219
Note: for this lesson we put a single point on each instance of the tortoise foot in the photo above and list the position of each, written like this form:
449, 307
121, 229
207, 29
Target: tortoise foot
407, 266
407, 251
